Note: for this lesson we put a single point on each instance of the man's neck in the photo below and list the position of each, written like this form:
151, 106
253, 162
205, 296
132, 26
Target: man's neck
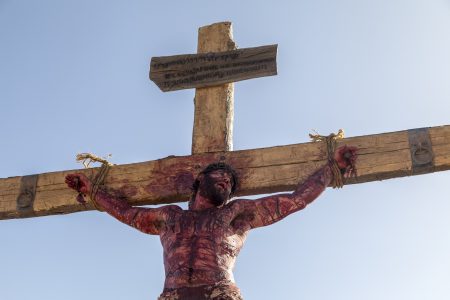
202, 203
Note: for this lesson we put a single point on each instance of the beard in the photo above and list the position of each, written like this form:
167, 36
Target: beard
216, 195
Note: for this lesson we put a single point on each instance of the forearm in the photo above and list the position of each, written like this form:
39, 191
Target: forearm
274, 208
313, 186
147, 220
117, 208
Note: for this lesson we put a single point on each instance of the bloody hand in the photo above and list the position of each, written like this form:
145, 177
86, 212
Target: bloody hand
80, 183
345, 157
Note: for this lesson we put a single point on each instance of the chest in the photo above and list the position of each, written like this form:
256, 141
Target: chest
203, 223
208, 233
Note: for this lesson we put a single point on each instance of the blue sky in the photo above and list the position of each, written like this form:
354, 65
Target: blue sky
74, 78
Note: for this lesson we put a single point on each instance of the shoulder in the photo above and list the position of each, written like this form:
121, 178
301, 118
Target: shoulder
243, 214
169, 210
240, 205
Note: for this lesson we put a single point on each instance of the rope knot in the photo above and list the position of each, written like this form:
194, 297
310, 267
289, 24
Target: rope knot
330, 141
86, 159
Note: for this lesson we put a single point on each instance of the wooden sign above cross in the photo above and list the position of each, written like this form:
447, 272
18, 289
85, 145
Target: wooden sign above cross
265, 170
216, 67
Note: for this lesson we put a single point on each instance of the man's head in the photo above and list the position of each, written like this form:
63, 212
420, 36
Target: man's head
217, 182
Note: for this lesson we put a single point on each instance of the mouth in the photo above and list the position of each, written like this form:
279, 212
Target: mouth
222, 185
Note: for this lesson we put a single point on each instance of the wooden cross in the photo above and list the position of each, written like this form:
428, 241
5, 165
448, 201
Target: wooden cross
264, 170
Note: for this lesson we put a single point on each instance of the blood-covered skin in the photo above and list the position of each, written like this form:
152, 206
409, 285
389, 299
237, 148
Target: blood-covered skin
201, 244
345, 157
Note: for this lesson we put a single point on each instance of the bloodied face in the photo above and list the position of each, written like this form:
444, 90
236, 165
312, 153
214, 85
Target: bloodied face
216, 186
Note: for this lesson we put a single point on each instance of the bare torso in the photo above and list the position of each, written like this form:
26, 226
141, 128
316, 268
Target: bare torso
200, 247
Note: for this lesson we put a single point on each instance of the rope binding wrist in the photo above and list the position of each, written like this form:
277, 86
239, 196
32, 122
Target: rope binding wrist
330, 142
86, 159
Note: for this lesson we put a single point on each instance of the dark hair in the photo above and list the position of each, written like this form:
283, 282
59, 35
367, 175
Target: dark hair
213, 167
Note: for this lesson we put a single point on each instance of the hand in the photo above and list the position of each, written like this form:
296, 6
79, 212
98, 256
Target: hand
79, 182
345, 158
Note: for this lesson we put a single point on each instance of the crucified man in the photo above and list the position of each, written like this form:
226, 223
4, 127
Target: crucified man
201, 244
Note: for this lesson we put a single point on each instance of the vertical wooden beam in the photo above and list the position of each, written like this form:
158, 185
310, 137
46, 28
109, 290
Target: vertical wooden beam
213, 116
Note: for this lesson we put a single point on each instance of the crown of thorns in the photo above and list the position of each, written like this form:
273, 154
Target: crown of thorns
218, 166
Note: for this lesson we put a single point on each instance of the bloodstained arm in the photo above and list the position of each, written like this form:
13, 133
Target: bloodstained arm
147, 220
265, 211
268, 210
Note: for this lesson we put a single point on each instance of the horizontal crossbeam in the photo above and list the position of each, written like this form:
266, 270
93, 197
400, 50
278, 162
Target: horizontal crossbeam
265, 170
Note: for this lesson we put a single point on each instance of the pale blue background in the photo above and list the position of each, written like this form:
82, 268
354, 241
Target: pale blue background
73, 78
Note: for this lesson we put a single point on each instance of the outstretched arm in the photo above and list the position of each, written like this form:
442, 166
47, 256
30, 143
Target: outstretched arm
148, 220
268, 210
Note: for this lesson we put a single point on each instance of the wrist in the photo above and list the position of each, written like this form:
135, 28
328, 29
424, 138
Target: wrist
337, 174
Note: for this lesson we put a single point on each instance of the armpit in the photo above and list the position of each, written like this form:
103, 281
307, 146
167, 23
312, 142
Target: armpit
242, 222
244, 212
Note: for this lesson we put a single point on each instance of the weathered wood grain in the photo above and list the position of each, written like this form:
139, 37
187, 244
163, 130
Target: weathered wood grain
211, 68
275, 169
214, 106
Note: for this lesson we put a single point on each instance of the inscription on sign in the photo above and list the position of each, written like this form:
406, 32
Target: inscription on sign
208, 69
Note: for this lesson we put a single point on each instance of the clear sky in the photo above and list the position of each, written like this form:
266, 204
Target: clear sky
74, 78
